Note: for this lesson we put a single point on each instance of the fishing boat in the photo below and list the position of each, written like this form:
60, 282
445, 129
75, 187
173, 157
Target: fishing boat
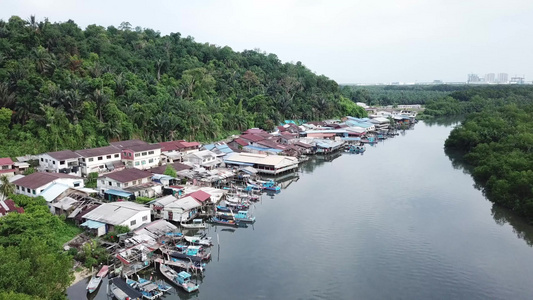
271, 186
237, 206
161, 285
223, 208
356, 149
240, 216
97, 279
181, 279
148, 289
196, 224
122, 291
199, 240
226, 222
195, 253
196, 266
235, 199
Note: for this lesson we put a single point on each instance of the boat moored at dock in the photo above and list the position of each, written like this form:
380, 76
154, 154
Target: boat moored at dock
97, 279
181, 279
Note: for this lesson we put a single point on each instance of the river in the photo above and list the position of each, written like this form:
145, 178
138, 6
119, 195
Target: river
402, 221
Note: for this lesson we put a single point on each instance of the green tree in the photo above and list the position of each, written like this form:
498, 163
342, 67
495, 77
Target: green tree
6, 188
170, 171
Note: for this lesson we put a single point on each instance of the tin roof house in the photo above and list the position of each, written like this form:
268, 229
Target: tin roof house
108, 215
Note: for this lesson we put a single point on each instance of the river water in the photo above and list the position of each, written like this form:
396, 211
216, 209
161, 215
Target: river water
402, 221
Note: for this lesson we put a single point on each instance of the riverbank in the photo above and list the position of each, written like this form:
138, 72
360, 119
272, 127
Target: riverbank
80, 273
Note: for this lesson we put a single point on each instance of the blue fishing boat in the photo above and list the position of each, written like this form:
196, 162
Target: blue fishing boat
148, 289
240, 216
163, 287
225, 222
195, 253
223, 208
356, 149
181, 279
271, 186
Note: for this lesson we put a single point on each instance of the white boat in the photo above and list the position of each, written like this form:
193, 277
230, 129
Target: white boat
196, 224
181, 279
96, 279
198, 240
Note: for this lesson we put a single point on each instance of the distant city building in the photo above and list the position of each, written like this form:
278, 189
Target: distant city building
490, 78
436, 81
473, 78
503, 78
517, 80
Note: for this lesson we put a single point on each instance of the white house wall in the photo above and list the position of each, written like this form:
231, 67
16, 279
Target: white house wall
46, 162
138, 218
93, 164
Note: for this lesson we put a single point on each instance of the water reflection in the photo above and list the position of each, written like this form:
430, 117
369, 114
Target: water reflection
521, 228
444, 121
501, 215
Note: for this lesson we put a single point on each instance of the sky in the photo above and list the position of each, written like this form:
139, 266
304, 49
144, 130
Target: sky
349, 41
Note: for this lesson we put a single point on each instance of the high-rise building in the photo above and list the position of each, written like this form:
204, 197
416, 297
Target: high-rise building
517, 80
473, 78
490, 78
503, 78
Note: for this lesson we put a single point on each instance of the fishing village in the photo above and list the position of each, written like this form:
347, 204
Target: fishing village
153, 207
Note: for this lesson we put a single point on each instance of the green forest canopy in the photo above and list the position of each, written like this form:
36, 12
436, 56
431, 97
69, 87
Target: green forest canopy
69, 88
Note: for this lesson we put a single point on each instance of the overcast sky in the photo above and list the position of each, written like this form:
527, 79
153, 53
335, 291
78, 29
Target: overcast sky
350, 41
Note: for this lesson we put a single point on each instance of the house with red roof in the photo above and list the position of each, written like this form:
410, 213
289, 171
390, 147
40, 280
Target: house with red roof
126, 183
252, 138
287, 137
139, 154
100, 160
65, 161
7, 167
8, 206
188, 147
201, 197
34, 184
238, 143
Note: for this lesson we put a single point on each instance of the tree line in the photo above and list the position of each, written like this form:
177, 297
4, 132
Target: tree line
64, 87
496, 139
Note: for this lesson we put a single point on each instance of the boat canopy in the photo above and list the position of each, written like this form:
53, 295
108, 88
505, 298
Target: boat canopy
184, 275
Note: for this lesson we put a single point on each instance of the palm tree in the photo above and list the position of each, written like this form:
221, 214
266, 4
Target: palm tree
42, 59
101, 99
7, 99
6, 188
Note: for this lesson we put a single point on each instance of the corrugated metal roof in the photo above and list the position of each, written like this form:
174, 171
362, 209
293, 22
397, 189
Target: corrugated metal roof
92, 224
185, 203
62, 155
277, 161
163, 201
37, 180
5, 161
65, 203
53, 191
118, 193
128, 175
265, 149
200, 195
98, 151
115, 213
